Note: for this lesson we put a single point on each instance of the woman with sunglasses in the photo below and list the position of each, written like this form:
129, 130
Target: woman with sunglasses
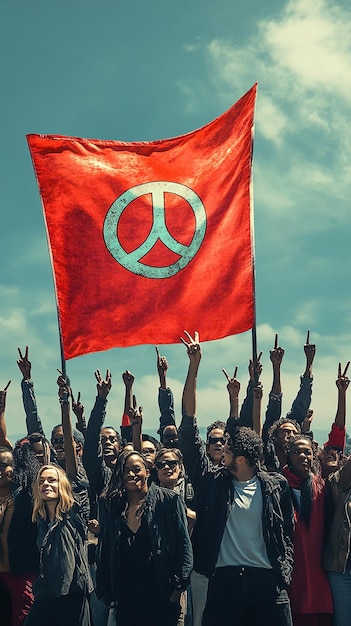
145, 555
63, 585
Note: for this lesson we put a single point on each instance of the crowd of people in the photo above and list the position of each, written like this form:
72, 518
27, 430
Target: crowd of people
108, 526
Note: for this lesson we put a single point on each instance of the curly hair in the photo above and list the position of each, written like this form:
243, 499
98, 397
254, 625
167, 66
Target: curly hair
26, 464
244, 441
216, 424
272, 432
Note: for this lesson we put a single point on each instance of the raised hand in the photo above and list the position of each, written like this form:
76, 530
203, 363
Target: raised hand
276, 355
78, 410
310, 351
103, 384
3, 397
233, 385
128, 379
24, 364
255, 368
192, 347
342, 381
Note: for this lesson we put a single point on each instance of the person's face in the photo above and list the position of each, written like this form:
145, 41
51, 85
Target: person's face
170, 437
148, 452
57, 441
49, 485
300, 458
109, 442
6, 469
284, 433
135, 474
330, 459
168, 469
215, 443
37, 445
229, 460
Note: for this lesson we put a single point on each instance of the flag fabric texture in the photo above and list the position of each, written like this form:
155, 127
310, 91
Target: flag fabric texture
150, 238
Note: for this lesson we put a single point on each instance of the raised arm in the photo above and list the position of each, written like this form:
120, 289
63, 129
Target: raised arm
78, 410
189, 391
274, 406
93, 460
33, 421
256, 413
337, 435
165, 395
192, 447
4, 441
233, 388
126, 428
136, 419
302, 401
71, 461
255, 371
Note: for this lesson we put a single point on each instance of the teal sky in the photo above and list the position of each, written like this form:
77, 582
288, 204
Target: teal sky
148, 70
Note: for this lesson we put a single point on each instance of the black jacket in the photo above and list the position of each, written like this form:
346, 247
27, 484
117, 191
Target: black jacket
214, 495
171, 546
64, 565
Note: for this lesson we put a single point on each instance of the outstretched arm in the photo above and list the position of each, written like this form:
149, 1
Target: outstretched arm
4, 441
189, 392
233, 388
136, 419
165, 395
302, 401
255, 371
93, 460
71, 461
192, 447
274, 407
337, 434
256, 413
78, 410
126, 428
33, 421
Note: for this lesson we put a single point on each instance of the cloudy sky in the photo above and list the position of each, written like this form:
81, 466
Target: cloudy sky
146, 70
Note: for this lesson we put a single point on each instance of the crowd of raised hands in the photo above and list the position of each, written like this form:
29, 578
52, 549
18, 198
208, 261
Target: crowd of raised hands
71, 499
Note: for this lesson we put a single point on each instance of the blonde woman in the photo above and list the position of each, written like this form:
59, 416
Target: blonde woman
63, 585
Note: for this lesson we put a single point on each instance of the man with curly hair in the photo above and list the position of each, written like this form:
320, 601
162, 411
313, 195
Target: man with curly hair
242, 539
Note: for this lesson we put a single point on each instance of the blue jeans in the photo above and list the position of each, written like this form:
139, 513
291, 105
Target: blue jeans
340, 585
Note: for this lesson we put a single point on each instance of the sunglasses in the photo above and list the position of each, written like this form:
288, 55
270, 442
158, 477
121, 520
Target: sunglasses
149, 451
213, 440
160, 465
35, 438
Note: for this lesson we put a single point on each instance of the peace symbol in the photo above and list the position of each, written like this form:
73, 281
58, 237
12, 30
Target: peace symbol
131, 261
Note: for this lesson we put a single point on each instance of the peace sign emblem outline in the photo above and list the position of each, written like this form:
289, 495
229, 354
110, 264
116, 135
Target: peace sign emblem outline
131, 260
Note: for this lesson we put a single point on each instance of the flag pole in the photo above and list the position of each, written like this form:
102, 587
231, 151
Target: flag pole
253, 330
63, 362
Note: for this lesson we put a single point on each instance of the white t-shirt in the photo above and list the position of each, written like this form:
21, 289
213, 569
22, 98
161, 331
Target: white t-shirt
242, 542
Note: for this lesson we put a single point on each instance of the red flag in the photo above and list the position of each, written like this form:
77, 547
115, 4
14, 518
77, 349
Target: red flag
150, 238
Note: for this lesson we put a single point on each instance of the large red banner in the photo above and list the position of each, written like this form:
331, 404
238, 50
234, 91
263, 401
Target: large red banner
150, 238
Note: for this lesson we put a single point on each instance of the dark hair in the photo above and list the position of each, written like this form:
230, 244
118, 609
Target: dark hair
244, 441
115, 488
178, 457
304, 507
119, 438
146, 437
272, 432
216, 424
25, 462
5, 449
78, 437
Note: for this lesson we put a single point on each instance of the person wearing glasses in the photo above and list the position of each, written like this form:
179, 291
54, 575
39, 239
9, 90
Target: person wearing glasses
145, 554
242, 538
